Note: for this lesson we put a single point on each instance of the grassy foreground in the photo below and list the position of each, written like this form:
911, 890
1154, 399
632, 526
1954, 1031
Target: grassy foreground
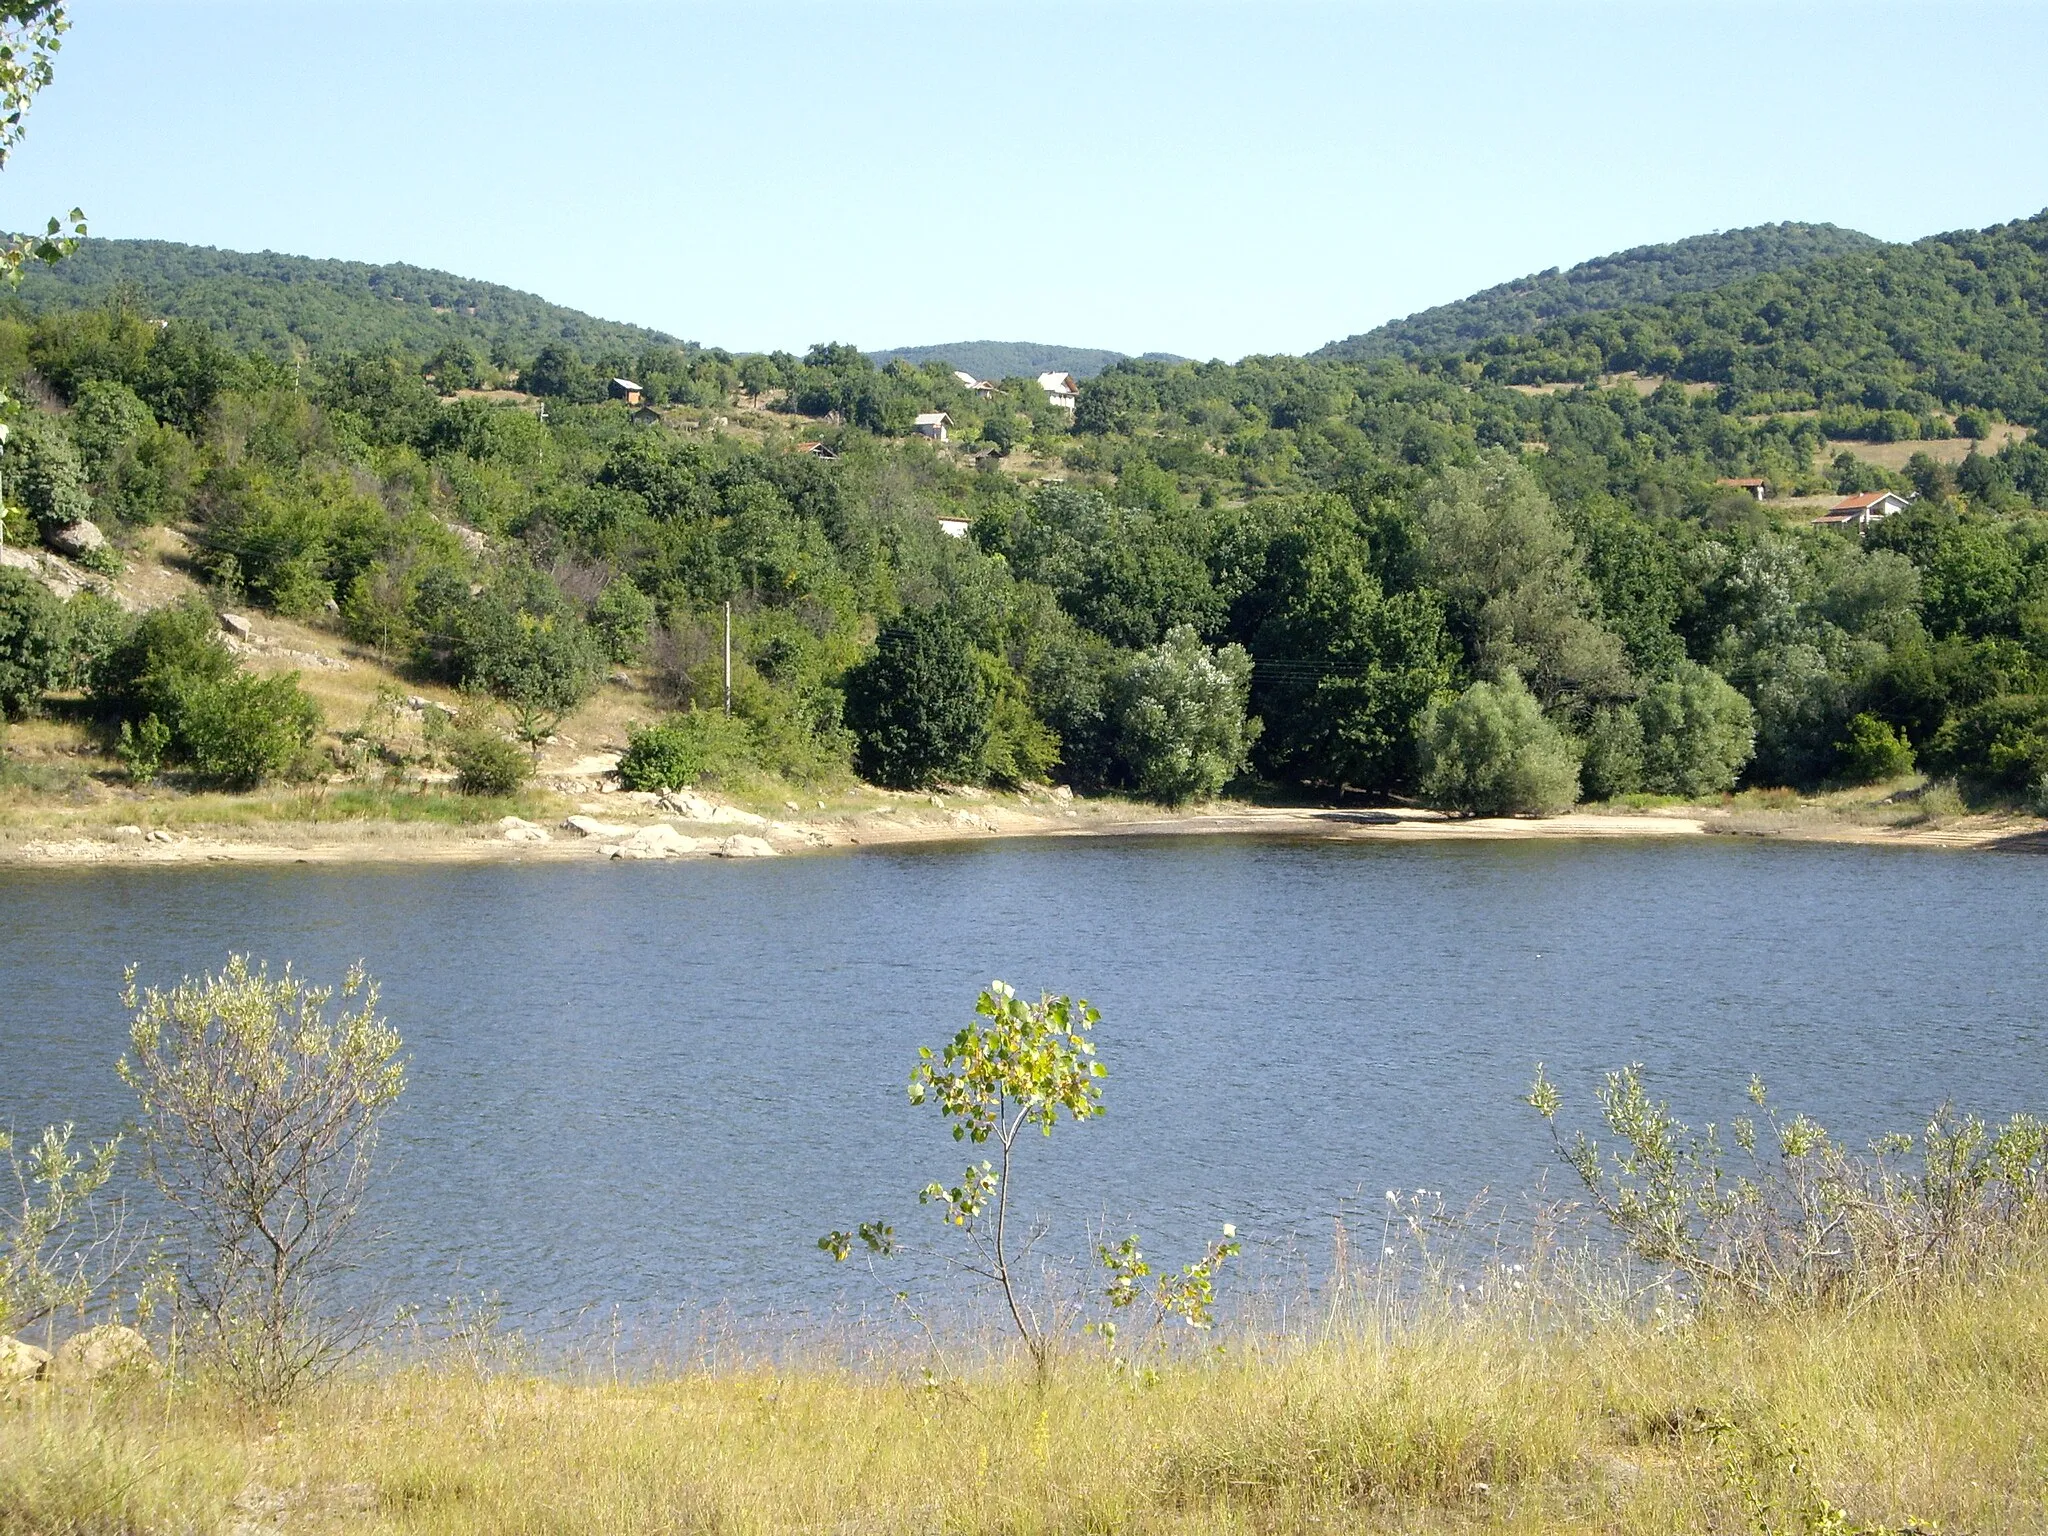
1906, 1415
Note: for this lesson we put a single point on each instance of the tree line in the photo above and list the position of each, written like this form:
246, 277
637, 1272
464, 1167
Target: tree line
1394, 578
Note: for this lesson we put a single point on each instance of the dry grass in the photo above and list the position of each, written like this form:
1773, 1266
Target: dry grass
1909, 1414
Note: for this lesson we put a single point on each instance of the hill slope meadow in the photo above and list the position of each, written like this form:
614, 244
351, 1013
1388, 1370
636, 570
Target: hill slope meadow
292, 306
1646, 274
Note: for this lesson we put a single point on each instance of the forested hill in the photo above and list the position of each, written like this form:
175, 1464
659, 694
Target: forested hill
1014, 359
297, 305
1956, 320
1647, 274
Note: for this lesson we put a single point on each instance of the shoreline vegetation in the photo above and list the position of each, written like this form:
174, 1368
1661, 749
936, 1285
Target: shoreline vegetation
1524, 1410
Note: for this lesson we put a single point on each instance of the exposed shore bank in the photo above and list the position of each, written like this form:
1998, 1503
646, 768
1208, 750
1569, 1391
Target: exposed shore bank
638, 827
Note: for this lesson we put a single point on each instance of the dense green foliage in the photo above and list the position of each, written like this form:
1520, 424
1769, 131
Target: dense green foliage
1373, 539
685, 750
1644, 275
33, 642
918, 707
487, 764
1950, 322
1491, 752
171, 681
287, 306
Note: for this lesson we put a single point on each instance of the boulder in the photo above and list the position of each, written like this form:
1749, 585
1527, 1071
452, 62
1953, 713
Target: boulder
76, 540
740, 846
20, 1361
660, 841
102, 1351
236, 625
590, 826
514, 830
1062, 792
688, 803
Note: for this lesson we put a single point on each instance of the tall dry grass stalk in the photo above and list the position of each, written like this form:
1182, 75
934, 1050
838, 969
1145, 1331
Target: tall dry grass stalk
1532, 1403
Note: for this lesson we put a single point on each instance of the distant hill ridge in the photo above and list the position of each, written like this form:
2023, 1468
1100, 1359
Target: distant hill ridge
1014, 359
1647, 274
300, 305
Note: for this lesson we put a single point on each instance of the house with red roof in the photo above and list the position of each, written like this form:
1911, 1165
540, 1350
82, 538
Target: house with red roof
1866, 508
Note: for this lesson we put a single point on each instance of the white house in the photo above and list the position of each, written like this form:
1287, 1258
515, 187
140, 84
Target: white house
953, 523
1060, 389
968, 381
1870, 507
933, 424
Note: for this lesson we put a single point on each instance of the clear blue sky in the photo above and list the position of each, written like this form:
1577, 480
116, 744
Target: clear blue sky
1204, 179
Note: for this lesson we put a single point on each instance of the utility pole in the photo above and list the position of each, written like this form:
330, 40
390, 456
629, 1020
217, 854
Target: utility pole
728, 658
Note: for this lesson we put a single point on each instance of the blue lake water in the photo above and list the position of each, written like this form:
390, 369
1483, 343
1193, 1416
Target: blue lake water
652, 1086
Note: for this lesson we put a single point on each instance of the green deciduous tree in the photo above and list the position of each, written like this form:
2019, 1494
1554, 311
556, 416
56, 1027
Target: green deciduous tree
918, 706
1019, 1068
1491, 752
1179, 714
1697, 733
34, 642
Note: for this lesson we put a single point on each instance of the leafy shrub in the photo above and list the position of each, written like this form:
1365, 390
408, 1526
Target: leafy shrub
487, 764
1999, 747
1873, 752
918, 706
228, 726
1612, 763
44, 473
1491, 752
242, 729
685, 749
1180, 717
1804, 1219
523, 641
622, 618
34, 643
1698, 732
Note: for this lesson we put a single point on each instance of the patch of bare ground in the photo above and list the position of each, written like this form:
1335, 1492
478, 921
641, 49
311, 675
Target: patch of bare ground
1943, 450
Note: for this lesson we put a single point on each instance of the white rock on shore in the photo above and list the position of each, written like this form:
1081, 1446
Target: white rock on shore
740, 846
660, 841
513, 830
99, 1352
20, 1361
590, 826
693, 806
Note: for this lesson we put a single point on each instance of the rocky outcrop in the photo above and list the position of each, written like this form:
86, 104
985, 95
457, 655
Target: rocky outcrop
513, 830
237, 626
110, 1349
689, 804
75, 541
740, 846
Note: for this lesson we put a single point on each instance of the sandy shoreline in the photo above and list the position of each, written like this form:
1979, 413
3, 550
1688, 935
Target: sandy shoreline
371, 842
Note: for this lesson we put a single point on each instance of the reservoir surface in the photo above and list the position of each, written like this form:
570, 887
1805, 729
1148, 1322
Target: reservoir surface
652, 1086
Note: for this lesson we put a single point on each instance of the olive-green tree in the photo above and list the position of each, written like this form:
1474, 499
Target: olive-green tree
1491, 752
1180, 717
259, 1120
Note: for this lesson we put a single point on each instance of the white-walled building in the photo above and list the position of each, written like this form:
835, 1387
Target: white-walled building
933, 424
1060, 389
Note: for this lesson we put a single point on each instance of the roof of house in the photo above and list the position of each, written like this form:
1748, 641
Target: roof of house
967, 379
1063, 382
625, 384
1864, 499
822, 450
932, 418
1746, 482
